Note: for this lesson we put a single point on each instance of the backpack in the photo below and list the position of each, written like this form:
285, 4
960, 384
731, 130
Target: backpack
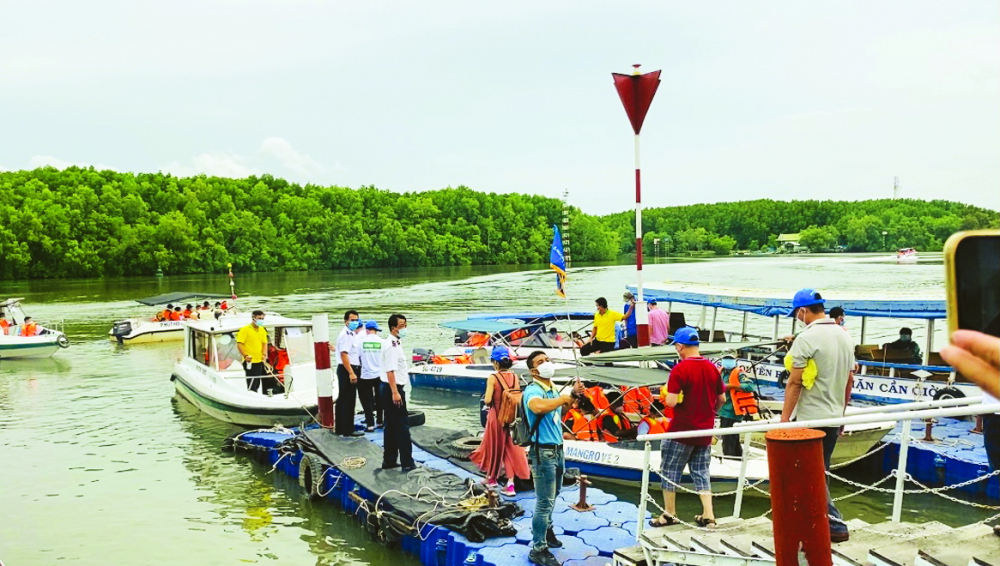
510, 399
520, 432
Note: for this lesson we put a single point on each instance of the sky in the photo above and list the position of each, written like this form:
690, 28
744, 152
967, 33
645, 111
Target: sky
781, 99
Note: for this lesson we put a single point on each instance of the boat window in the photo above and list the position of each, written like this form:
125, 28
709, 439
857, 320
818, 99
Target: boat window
200, 347
298, 341
228, 351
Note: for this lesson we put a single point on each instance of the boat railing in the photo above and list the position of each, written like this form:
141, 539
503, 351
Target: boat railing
903, 412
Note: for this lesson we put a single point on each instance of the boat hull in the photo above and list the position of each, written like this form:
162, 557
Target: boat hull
19, 347
148, 332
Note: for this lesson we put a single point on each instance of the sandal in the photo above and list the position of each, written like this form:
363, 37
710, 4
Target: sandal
663, 520
703, 522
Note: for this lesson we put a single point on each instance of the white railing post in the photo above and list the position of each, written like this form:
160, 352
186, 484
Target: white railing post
897, 500
645, 491
741, 484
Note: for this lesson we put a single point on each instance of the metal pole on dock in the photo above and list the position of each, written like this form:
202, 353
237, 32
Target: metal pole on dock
324, 375
904, 445
636, 92
645, 491
741, 484
798, 497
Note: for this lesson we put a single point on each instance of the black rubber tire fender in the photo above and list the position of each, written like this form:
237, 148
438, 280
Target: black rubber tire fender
311, 476
416, 418
948, 393
464, 446
63, 341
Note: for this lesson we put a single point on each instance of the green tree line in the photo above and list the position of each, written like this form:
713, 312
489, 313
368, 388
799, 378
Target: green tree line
86, 223
80, 222
756, 224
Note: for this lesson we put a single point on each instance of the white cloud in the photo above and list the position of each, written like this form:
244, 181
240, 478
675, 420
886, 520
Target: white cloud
213, 164
49, 161
282, 150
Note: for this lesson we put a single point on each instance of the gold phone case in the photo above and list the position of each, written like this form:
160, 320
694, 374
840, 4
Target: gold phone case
950, 284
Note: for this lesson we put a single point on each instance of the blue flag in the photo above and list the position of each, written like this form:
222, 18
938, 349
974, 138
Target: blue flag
557, 261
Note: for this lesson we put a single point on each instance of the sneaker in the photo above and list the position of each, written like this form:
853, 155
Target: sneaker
551, 540
491, 483
369, 429
509, 490
543, 558
840, 536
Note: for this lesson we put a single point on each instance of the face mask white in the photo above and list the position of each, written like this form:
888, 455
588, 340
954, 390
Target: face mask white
546, 370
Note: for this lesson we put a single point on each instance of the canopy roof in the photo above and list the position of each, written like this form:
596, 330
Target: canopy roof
652, 353
617, 375
487, 326
179, 297
535, 317
232, 323
759, 302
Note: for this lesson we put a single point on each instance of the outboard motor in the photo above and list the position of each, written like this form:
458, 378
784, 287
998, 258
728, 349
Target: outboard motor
121, 329
422, 355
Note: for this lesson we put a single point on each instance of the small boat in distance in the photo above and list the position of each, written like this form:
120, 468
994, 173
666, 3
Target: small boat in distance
33, 340
141, 331
212, 377
906, 255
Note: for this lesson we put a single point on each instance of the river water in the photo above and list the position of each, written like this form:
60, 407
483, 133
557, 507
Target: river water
100, 463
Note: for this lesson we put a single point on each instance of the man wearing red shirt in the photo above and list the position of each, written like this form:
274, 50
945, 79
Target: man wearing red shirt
701, 385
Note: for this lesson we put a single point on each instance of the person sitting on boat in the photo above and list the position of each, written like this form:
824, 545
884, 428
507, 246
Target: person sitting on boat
602, 339
497, 452
577, 424
204, 306
186, 313
740, 403
224, 306
4, 324
614, 424
165, 313
29, 328
193, 314
656, 422
905, 344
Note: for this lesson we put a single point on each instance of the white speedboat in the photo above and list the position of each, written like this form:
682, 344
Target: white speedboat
212, 377
885, 376
556, 334
46, 341
467, 377
144, 331
906, 255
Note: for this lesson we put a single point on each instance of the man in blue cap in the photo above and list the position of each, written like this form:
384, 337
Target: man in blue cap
832, 350
371, 349
698, 379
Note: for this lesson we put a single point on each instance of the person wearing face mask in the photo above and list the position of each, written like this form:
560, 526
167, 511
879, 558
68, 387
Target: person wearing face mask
548, 463
837, 314
397, 450
905, 344
832, 350
251, 341
347, 375
740, 403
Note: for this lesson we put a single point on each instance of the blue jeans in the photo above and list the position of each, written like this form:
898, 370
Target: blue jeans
547, 467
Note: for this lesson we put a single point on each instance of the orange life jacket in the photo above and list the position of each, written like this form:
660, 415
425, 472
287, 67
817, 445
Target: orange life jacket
622, 422
4, 324
225, 306
477, 340
166, 314
581, 426
656, 426
278, 358
186, 313
598, 398
436, 359
744, 402
463, 359
637, 400
29, 329
175, 315
517, 334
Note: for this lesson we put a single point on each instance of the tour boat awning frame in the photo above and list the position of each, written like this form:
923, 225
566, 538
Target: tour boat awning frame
485, 326
178, 297
771, 306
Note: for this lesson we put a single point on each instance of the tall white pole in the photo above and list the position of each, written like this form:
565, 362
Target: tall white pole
641, 314
324, 375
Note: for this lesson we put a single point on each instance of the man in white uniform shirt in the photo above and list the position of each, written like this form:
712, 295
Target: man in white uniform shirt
372, 349
347, 376
397, 448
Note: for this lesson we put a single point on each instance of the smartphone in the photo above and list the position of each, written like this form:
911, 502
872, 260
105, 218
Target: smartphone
972, 281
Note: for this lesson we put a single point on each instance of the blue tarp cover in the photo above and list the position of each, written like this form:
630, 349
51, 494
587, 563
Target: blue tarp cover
890, 308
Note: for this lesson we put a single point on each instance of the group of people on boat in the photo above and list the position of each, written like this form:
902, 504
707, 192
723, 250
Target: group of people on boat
28, 327
613, 330
190, 312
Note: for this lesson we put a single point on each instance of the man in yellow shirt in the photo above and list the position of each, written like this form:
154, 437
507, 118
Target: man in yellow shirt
602, 337
252, 342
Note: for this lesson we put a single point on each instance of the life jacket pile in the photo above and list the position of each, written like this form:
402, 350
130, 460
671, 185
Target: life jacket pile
638, 400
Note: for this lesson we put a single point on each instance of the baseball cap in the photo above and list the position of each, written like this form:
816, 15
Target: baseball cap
687, 336
372, 325
650, 301
500, 353
805, 298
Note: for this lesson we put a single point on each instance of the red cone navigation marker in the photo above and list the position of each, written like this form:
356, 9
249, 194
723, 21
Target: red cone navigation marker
324, 375
637, 91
